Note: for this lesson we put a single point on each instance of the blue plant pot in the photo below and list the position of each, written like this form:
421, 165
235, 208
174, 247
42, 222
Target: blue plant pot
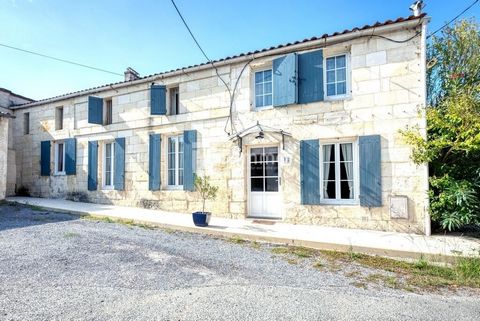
201, 218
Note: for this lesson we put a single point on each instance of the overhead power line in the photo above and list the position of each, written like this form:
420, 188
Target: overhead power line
61, 60
455, 18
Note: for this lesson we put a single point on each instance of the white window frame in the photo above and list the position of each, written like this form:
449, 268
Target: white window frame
170, 100
348, 77
57, 172
356, 171
177, 162
104, 165
254, 96
105, 110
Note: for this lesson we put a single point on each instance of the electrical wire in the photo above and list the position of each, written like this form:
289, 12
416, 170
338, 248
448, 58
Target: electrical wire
61, 60
455, 18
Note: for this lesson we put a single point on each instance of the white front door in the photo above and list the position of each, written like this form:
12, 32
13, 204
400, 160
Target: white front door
264, 199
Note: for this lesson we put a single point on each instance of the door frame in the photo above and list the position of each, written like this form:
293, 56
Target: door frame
280, 194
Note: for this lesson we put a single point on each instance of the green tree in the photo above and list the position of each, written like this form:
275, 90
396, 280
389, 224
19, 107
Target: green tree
452, 147
205, 189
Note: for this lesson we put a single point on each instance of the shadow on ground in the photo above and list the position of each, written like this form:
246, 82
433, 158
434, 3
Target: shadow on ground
13, 216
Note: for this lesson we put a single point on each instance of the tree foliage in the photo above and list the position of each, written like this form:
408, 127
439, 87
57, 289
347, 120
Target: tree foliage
452, 147
205, 189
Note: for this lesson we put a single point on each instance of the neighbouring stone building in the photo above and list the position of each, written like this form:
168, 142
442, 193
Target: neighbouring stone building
7, 152
307, 132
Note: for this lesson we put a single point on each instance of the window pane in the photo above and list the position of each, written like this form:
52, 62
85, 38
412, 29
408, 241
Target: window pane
171, 161
259, 89
271, 184
259, 101
330, 63
346, 170
267, 75
346, 153
268, 88
268, 100
328, 153
258, 77
329, 190
256, 169
330, 76
256, 184
271, 169
180, 160
171, 177
341, 88
271, 154
341, 74
256, 154
60, 157
331, 90
171, 145
180, 144
180, 177
346, 189
341, 61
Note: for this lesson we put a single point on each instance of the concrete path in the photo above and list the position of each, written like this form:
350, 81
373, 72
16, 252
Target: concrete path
328, 238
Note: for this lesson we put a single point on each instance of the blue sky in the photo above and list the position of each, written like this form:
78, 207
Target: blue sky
149, 36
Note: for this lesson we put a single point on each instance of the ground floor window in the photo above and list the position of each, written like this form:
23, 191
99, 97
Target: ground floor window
175, 161
338, 174
60, 158
108, 165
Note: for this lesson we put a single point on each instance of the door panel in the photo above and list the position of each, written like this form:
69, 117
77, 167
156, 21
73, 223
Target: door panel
264, 196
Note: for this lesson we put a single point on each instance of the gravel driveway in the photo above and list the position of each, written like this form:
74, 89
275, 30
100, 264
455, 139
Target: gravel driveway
59, 267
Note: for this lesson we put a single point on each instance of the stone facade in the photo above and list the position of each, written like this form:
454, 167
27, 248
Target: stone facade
7, 152
387, 84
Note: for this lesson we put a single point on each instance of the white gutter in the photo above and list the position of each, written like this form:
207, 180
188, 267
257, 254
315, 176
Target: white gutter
321, 42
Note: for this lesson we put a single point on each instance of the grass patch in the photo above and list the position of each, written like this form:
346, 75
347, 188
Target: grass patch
237, 240
35, 208
318, 265
298, 251
255, 245
360, 285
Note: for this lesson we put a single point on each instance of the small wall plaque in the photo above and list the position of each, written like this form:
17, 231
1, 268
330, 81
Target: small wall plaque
399, 207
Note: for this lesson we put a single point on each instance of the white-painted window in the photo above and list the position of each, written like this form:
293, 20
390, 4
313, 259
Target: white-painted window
263, 88
60, 158
108, 159
336, 76
175, 161
107, 112
174, 101
339, 172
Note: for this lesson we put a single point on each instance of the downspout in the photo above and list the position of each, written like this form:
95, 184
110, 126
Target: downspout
423, 71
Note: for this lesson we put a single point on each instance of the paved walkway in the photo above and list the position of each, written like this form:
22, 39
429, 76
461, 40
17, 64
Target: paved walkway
364, 241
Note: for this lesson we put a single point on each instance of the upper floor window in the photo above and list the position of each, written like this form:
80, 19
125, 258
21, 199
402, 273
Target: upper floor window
336, 76
58, 118
263, 88
60, 158
338, 174
26, 123
108, 112
175, 160
108, 165
174, 101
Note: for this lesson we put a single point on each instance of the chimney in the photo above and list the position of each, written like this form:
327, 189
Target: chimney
131, 74
417, 7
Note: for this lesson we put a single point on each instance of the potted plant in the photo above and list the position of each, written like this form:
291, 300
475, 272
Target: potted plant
207, 192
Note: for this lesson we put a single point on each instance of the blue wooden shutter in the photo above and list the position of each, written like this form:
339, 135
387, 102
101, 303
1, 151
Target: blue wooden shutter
119, 164
158, 100
370, 171
309, 172
95, 110
71, 156
92, 165
310, 77
154, 163
285, 80
45, 158
189, 159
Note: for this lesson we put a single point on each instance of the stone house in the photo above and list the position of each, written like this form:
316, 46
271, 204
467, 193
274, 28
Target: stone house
306, 133
7, 152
